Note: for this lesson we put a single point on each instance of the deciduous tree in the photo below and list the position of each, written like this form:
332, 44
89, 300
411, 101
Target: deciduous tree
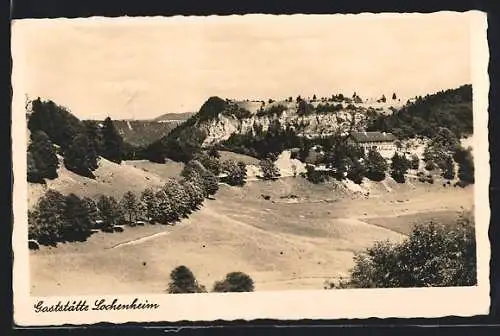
433, 255
182, 280
110, 211
269, 169
130, 206
235, 282
112, 142
42, 158
376, 166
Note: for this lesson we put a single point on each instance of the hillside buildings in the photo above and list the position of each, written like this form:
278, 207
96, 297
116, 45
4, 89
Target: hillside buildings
382, 142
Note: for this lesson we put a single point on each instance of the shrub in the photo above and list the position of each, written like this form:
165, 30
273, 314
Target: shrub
112, 146
177, 197
182, 281
399, 167
195, 192
42, 158
130, 206
356, 171
77, 223
449, 168
92, 210
210, 184
211, 163
110, 211
150, 205
236, 172
269, 169
235, 282
47, 220
79, 158
430, 165
433, 255
415, 162
465, 165
58, 218
315, 176
375, 166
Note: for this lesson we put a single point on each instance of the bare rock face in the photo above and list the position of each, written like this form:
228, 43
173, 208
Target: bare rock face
313, 125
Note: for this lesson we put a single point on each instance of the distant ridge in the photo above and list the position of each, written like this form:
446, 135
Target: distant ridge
173, 116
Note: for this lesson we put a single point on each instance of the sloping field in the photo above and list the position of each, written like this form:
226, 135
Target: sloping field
111, 179
280, 244
248, 160
163, 170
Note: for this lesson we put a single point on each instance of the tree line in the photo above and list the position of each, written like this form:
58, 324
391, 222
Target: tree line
57, 218
79, 143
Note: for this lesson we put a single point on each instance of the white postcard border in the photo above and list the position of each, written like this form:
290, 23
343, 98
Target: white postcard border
282, 305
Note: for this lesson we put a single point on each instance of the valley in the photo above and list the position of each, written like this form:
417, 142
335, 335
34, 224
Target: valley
281, 244
287, 192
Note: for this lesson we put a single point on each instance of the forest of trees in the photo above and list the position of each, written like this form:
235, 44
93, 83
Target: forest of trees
54, 130
451, 109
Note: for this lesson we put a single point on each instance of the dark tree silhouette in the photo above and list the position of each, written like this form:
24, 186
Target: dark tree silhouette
356, 171
50, 217
465, 165
399, 167
449, 168
130, 206
235, 282
376, 166
433, 255
112, 147
210, 183
415, 162
269, 169
56, 121
95, 141
236, 172
92, 210
77, 223
182, 281
110, 211
34, 175
79, 158
43, 161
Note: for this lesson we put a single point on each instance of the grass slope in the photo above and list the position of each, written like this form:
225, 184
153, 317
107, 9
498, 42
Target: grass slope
111, 179
282, 245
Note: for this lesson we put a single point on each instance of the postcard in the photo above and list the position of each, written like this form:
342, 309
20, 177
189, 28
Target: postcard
250, 166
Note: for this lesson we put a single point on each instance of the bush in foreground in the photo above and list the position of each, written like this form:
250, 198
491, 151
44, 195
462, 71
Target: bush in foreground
235, 282
433, 255
236, 172
183, 281
269, 169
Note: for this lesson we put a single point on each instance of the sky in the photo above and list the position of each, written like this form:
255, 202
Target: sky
129, 68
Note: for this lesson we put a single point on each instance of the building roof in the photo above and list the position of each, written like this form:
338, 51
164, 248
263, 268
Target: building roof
372, 136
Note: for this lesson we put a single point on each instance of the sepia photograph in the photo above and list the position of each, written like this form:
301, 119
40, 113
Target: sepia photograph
257, 156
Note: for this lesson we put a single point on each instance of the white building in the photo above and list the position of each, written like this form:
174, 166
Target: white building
382, 142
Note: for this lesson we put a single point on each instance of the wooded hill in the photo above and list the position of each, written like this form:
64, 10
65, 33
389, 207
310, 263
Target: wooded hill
55, 131
451, 109
423, 117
